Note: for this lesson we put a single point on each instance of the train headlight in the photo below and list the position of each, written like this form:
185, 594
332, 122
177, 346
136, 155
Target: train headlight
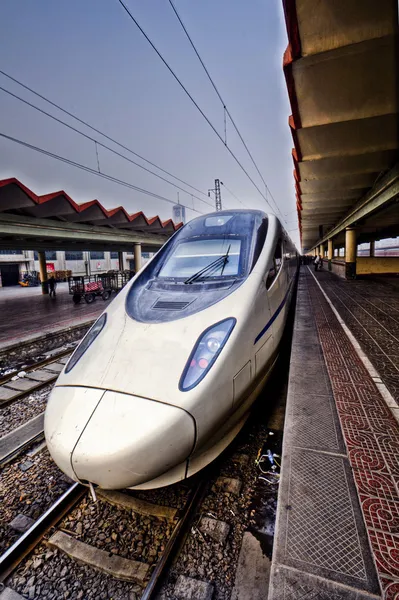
86, 342
205, 352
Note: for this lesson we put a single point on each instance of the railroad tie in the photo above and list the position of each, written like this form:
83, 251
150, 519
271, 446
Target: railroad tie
117, 566
136, 505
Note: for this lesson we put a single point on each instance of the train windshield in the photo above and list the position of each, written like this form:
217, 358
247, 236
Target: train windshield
205, 261
212, 257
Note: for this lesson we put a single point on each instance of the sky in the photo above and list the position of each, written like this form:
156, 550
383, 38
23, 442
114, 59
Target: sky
90, 58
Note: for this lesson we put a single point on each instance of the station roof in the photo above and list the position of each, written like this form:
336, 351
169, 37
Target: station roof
17, 199
56, 222
341, 69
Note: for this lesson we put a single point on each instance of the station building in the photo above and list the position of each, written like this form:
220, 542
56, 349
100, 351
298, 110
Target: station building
14, 263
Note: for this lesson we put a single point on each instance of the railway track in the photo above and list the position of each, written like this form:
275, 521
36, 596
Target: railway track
24, 546
20, 439
40, 374
37, 376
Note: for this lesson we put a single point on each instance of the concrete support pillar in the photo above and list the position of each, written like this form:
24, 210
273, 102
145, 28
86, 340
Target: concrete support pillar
137, 257
43, 272
350, 253
330, 255
322, 251
315, 252
372, 249
120, 260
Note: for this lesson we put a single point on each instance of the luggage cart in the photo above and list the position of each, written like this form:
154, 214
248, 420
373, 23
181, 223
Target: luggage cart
88, 287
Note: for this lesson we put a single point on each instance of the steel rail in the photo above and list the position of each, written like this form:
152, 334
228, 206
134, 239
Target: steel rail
38, 437
172, 545
40, 384
12, 557
36, 365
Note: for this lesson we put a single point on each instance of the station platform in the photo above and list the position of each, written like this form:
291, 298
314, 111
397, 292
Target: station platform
337, 530
27, 313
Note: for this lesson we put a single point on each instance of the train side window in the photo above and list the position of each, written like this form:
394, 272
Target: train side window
260, 241
276, 266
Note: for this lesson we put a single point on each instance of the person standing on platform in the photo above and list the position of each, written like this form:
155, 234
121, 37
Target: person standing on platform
52, 284
317, 261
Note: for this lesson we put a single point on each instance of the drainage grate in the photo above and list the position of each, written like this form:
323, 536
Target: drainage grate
167, 305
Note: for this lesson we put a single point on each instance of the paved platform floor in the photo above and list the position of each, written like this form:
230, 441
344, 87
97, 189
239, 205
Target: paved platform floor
337, 531
26, 312
370, 308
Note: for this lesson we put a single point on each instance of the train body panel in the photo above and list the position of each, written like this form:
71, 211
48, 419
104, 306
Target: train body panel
139, 361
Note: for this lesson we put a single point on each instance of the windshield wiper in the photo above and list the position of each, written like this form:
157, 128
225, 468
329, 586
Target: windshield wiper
222, 260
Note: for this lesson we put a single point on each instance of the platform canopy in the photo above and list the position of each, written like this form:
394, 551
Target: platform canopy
341, 68
56, 221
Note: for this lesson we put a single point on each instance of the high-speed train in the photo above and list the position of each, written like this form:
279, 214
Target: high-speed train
165, 378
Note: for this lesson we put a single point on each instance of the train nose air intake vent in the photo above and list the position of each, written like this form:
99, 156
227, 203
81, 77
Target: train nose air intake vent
166, 305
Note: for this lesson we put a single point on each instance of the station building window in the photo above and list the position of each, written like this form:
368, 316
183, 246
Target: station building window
74, 255
50, 255
277, 263
97, 255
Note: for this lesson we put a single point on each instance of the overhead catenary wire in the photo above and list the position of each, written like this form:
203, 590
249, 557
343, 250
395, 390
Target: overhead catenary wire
108, 137
232, 194
122, 3
93, 171
97, 142
225, 109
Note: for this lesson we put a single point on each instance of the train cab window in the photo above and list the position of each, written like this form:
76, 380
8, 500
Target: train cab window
202, 263
189, 257
276, 265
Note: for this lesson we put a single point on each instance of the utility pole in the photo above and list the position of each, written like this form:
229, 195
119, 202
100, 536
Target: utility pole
218, 195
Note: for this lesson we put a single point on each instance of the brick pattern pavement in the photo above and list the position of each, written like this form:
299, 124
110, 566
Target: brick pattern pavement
25, 312
370, 431
371, 311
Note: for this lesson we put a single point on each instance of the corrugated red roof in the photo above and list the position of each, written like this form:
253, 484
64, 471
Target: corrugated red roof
33, 205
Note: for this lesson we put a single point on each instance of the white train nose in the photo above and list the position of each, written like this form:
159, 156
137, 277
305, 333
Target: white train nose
125, 440
67, 412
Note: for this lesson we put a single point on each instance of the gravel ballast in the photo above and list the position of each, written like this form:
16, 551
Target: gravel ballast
28, 486
21, 411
